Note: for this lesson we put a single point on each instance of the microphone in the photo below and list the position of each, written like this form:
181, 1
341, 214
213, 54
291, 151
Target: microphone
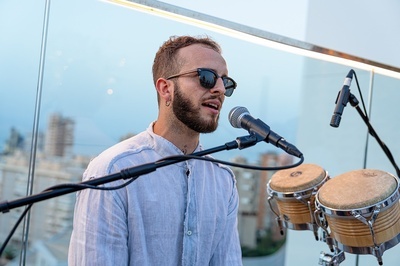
239, 117
342, 100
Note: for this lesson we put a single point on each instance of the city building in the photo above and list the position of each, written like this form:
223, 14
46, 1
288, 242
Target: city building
14, 142
59, 136
54, 166
259, 232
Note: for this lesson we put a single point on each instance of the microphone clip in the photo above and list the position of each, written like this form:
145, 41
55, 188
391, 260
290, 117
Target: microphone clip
341, 100
249, 140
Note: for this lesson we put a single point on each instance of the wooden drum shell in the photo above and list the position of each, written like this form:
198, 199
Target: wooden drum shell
354, 233
295, 211
295, 188
365, 190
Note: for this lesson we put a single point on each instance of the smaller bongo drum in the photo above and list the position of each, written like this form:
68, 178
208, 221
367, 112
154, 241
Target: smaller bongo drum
362, 211
294, 190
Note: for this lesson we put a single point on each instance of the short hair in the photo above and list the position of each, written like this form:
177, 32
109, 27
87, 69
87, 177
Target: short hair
166, 62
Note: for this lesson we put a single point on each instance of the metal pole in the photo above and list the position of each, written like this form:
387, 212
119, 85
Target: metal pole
35, 130
371, 86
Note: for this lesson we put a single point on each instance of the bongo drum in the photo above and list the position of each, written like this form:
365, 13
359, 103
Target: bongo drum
362, 211
294, 190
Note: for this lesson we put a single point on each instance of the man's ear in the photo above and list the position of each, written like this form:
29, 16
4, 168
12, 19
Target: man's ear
165, 89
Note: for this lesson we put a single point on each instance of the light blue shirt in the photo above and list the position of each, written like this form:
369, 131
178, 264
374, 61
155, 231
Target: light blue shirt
181, 214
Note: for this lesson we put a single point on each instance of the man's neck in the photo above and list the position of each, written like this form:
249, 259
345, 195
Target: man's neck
183, 138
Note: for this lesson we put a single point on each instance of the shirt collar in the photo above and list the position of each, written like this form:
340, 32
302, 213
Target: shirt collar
163, 146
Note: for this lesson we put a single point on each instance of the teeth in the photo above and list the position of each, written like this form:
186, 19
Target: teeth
211, 105
214, 106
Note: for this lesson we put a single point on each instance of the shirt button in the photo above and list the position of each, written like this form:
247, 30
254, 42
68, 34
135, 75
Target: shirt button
189, 233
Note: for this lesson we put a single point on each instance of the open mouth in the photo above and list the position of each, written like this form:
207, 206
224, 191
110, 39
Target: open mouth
211, 105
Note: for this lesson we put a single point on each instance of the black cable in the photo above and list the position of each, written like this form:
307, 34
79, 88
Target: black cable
3, 247
83, 186
361, 97
260, 168
371, 131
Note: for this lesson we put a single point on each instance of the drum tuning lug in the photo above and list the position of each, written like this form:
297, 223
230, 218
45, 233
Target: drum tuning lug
279, 221
324, 236
315, 230
330, 242
378, 252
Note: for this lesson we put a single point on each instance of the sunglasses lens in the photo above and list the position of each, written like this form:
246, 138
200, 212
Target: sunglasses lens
207, 79
230, 85
228, 92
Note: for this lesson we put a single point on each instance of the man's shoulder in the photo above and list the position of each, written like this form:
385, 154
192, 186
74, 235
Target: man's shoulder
119, 156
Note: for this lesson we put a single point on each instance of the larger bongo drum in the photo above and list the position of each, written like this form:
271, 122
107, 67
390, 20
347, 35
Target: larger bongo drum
294, 190
362, 211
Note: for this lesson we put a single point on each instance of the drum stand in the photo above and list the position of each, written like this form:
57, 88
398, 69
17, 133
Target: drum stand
331, 260
325, 259
338, 255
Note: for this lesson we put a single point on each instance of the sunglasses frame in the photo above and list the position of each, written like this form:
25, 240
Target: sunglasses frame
228, 89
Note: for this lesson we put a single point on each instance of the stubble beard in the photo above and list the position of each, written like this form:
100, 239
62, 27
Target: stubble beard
187, 113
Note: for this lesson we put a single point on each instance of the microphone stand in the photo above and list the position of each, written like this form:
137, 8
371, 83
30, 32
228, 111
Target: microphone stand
133, 172
354, 102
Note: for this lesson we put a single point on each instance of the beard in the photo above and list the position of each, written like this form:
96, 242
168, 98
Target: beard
189, 115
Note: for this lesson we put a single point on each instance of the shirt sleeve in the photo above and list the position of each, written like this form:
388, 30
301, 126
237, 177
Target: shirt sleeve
99, 234
228, 251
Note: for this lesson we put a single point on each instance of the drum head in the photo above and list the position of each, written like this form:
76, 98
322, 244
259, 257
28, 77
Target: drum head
357, 189
299, 178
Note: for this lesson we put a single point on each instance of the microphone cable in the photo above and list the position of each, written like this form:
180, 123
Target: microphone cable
354, 102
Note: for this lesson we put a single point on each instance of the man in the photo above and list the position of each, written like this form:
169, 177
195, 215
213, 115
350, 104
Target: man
181, 214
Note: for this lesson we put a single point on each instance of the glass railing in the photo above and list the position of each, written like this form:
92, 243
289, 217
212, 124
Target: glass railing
97, 90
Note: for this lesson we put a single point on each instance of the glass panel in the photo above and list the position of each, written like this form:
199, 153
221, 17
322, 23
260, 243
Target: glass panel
384, 117
20, 52
322, 143
98, 90
341, 150
20, 28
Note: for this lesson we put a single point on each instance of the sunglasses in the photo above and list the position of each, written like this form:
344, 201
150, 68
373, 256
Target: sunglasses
208, 78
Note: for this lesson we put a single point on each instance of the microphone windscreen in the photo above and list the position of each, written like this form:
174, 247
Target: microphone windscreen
235, 116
